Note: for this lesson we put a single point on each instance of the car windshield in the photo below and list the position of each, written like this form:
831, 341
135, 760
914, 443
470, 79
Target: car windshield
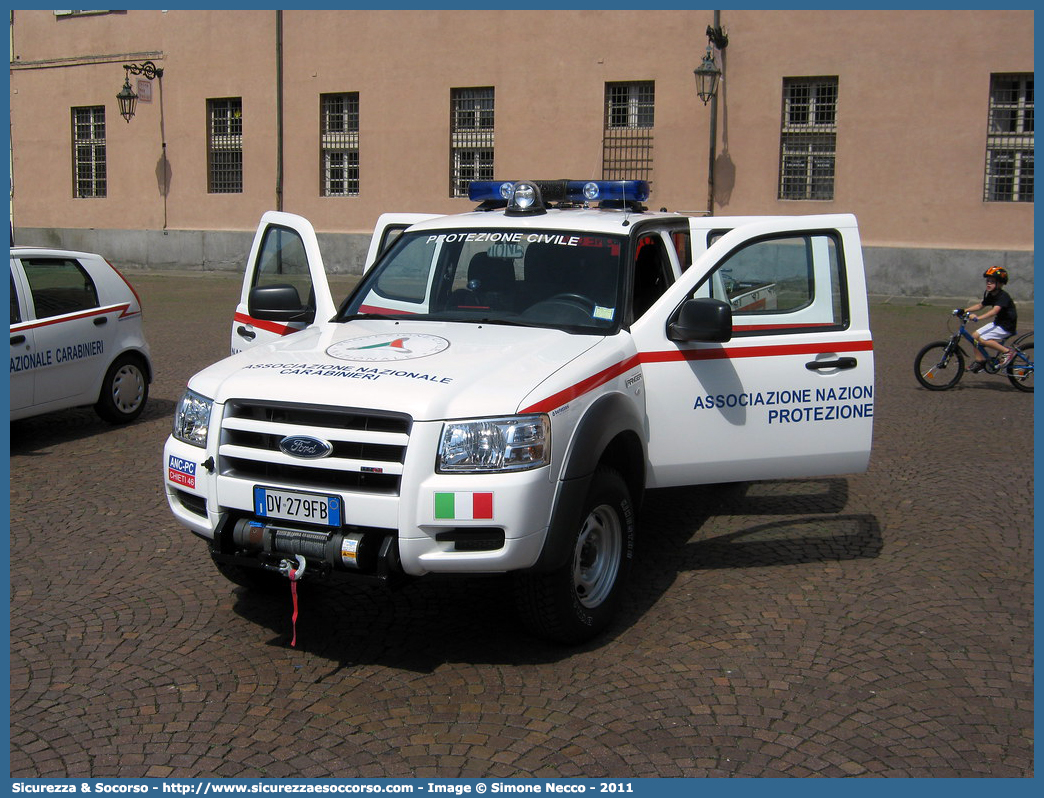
546, 278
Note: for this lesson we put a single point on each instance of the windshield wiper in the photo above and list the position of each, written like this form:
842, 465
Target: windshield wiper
386, 316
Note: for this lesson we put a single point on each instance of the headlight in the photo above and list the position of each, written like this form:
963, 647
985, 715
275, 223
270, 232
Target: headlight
487, 445
192, 419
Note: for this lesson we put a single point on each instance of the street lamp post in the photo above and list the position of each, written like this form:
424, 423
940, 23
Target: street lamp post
708, 76
128, 101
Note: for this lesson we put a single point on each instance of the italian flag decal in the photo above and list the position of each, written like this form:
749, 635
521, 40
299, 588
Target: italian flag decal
464, 506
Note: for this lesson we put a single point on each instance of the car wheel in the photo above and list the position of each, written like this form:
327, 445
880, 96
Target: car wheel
577, 601
124, 390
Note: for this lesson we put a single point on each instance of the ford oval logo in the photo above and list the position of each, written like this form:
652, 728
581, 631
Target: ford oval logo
305, 446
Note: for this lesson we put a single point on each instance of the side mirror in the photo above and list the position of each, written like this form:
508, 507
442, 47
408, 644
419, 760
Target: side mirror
278, 303
702, 319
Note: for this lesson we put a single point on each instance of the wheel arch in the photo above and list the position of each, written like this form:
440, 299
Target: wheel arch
139, 355
611, 434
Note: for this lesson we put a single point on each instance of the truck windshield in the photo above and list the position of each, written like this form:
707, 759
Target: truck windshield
547, 278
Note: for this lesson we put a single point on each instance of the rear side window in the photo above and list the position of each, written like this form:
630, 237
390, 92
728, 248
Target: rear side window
16, 314
59, 286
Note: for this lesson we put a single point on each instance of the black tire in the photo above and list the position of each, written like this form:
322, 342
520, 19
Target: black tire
934, 370
1018, 373
577, 601
124, 391
253, 579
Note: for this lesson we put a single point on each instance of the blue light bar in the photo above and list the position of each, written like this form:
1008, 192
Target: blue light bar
558, 190
604, 190
485, 190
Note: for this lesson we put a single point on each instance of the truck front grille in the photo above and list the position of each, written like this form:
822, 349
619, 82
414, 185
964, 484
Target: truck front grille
368, 446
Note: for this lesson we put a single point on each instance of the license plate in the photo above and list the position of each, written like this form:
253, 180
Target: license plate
294, 505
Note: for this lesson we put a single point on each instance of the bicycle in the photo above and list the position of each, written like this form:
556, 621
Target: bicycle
940, 364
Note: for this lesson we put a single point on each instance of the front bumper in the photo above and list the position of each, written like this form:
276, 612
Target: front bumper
439, 523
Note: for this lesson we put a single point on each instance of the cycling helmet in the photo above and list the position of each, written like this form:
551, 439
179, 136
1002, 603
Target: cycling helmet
997, 273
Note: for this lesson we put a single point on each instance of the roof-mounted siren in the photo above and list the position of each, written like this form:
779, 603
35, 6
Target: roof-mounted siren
528, 197
519, 197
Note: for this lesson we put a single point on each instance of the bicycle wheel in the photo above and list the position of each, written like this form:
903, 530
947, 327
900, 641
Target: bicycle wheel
1020, 370
937, 368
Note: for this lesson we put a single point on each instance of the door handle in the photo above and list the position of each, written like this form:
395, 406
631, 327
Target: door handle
840, 363
100, 320
17, 339
244, 332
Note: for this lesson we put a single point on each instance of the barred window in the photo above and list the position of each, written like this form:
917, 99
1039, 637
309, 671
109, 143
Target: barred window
808, 141
88, 133
627, 141
225, 146
1009, 139
339, 144
471, 138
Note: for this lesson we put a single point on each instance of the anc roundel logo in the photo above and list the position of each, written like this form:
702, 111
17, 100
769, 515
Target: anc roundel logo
375, 348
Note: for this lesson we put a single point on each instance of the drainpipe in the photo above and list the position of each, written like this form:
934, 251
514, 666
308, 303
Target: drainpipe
714, 123
279, 111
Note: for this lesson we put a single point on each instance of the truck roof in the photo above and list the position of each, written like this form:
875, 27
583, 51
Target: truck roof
594, 220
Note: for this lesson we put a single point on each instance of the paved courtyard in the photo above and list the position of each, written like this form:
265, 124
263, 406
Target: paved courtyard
869, 625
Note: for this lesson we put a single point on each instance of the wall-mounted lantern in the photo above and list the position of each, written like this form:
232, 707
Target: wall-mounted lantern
707, 73
127, 99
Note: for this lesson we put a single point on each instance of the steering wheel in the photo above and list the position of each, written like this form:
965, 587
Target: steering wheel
573, 304
573, 299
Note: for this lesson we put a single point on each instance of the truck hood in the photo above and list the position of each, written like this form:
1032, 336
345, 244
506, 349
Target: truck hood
430, 370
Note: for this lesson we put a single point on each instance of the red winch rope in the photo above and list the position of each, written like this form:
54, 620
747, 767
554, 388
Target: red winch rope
293, 618
286, 567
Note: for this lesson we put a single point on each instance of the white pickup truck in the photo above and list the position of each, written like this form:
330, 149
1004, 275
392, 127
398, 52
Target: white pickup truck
503, 385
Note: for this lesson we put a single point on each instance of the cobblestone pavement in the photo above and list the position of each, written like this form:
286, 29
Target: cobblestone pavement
870, 625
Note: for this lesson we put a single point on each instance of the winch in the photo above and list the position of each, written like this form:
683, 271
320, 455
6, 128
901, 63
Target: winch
345, 550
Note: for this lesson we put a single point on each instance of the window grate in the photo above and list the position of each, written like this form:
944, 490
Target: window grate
89, 167
1009, 139
471, 138
339, 144
808, 139
627, 140
225, 146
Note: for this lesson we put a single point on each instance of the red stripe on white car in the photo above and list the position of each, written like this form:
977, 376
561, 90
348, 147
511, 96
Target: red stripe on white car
777, 350
124, 310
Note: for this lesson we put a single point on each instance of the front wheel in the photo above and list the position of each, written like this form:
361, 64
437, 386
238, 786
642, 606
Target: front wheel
577, 601
937, 368
124, 391
1020, 370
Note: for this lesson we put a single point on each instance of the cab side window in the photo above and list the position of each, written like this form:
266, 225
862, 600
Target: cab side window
59, 286
783, 284
283, 261
406, 278
652, 273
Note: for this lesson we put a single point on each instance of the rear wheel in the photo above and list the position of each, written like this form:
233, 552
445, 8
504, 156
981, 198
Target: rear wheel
124, 390
935, 369
1020, 370
577, 601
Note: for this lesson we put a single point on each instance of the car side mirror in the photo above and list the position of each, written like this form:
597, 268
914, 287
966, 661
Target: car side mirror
278, 303
702, 319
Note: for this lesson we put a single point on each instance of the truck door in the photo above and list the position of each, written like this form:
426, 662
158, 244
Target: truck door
285, 257
791, 393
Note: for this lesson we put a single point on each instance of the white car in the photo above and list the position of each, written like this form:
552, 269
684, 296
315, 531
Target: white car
76, 336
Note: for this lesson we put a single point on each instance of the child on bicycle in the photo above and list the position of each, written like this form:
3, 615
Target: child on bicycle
1001, 314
